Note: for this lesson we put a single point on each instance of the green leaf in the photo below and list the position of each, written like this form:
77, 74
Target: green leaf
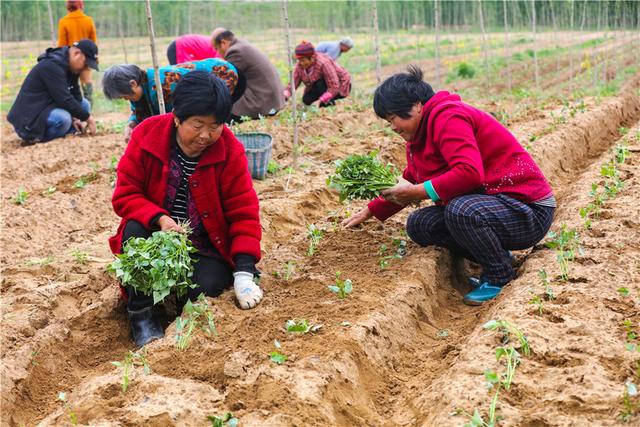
491, 325
623, 291
277, 357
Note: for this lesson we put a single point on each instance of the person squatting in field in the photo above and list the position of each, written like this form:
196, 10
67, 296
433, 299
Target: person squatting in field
49, 104
188, 166
263, 96
324, 80
138, 86
190, 47
490, 196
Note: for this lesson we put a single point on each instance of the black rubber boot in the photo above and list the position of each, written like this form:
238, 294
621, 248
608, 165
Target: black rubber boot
145, 327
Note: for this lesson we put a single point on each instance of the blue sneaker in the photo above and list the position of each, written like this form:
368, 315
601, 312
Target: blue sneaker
482, 294
474, 282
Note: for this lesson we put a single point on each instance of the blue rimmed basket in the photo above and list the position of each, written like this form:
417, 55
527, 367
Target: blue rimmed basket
258, 148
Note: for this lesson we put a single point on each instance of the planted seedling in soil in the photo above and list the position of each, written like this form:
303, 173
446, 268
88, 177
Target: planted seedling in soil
315, 235
226, 420
537, 302
341, 287
630, 408
72, 415
156, 266
565, 242
194, 316
400, 246
546, 282
49, 191
276, 356
507, 329
129, 363
286, 272
79, 256
362, 177
300, 326
21, 197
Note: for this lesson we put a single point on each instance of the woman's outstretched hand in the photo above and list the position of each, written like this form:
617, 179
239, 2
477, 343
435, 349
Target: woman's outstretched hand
358, 218
167, 223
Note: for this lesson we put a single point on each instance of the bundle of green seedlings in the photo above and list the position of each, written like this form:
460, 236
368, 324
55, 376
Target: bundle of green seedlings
362, 177
156, 266
498, 381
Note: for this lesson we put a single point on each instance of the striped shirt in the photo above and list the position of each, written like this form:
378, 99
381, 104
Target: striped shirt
179, 210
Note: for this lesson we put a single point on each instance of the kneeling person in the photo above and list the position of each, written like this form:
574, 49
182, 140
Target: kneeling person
49, 104
187, 165
490, 196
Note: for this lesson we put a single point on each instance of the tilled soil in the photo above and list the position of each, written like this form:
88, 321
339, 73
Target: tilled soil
402, 349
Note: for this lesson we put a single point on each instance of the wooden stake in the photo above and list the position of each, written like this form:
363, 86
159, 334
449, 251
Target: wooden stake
535, 50
436, 13
507, 53
294, 110
154, 58
376, 40
52, 26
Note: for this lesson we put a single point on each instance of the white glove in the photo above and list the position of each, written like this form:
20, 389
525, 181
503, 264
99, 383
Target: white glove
248, 293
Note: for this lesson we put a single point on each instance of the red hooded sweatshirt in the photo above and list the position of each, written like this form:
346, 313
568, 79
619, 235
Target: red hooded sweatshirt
463, 150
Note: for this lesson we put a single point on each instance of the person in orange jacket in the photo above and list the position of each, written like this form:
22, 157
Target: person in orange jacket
75, 26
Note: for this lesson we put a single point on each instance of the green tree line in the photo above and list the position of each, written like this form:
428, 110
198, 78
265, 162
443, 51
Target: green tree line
29, 20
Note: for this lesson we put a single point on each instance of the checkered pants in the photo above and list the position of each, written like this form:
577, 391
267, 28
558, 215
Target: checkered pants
483, 229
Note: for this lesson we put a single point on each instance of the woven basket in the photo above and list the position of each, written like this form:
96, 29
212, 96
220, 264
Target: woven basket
258, 148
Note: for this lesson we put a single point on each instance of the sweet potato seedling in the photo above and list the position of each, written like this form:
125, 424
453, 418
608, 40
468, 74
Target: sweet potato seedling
276, 356
73, 418
156, 266
49, 191
507, 328
546, 283
300, 326
341, 287
538, 303
624, 291
400, 250
286, 272
21, 197
194, 316
315, 235
565, 242
226, 420
129, 363
80, 257
630, 407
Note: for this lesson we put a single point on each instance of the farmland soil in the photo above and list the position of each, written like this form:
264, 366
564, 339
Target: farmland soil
400, 350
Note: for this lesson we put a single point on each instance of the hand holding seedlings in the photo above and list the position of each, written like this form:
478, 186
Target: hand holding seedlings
166, 223
404, 193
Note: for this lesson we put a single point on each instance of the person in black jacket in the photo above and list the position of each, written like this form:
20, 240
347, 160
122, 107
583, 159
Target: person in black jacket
49, 104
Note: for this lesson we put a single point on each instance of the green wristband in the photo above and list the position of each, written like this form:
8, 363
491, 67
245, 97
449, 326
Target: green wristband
431, 192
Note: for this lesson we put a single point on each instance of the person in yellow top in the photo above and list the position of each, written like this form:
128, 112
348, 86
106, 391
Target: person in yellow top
73, 27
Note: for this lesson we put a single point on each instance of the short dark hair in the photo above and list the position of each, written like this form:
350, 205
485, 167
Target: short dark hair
199, 93
116, 80
225, 35
400, 92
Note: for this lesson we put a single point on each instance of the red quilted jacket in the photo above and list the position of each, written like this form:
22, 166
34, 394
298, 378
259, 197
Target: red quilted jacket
221, 187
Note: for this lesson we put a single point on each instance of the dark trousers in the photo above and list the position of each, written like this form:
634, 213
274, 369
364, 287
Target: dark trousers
483, 229
315, 92
213, 275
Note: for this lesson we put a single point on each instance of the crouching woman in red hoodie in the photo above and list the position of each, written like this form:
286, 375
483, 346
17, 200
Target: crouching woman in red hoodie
187, 165
489, 194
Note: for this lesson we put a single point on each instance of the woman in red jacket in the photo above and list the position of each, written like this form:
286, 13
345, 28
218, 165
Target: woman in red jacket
490, 196
187, 165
